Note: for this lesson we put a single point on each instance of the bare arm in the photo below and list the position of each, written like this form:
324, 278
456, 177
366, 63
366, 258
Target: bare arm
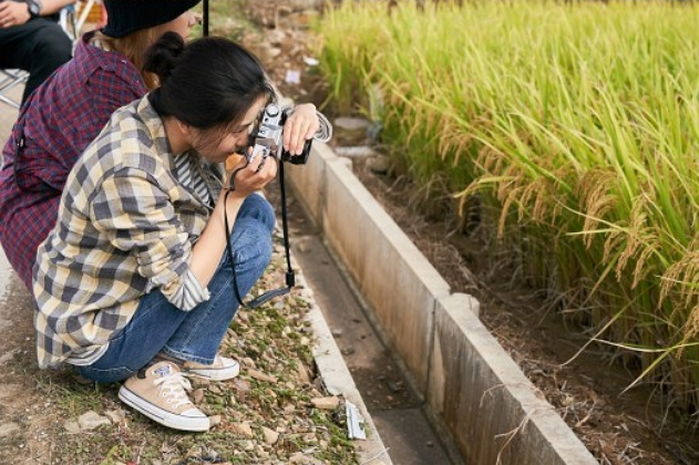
207, 252
50, 7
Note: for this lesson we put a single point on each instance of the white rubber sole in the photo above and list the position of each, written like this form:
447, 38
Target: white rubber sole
215, 375
165, 418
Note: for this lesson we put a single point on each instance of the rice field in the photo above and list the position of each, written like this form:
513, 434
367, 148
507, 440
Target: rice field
580, 121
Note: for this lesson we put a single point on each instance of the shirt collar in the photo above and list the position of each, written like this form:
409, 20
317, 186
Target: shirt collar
88, 57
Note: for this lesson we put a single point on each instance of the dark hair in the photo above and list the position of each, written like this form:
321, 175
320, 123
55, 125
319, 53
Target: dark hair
207, 83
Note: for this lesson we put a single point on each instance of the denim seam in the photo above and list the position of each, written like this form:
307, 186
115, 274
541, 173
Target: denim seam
108, 370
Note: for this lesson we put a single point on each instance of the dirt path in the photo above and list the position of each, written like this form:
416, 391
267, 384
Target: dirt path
272, 413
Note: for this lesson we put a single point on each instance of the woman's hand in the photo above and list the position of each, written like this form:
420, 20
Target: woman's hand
299, 127
252, 176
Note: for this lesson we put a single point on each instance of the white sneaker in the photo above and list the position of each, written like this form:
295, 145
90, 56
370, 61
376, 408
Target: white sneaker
160, 393
222, 369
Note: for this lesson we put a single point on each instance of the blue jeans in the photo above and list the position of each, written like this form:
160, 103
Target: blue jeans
158, 326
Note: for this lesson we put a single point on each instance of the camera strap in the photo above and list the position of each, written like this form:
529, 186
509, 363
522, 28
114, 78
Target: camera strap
290, 276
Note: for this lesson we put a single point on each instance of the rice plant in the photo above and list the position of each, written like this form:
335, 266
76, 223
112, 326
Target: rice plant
581, 120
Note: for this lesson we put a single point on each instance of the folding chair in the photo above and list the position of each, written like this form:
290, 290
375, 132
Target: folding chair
72, 25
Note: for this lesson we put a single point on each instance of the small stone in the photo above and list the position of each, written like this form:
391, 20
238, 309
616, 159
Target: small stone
357, 151
351, 124
273, 52
270, 435
248, 445
275, 36
241, 385
214, 420
71, 426
115, 415
348, 351
430, 443
91, 420
337, 333
8, 429
242, 429
303, 459
326, 403
258, 375
303, 247
378, 164
395, 386
302, 373
198, 396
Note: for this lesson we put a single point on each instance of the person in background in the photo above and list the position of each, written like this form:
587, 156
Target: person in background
32, 40
65, 113
134, 283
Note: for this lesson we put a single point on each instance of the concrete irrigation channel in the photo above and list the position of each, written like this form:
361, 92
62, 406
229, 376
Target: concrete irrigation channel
472, 389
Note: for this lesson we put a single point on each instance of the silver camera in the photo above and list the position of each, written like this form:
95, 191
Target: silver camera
267, 139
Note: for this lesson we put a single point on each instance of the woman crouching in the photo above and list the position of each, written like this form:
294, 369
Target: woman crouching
133, 283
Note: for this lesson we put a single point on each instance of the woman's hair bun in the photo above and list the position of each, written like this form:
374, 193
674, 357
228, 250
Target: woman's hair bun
161, 57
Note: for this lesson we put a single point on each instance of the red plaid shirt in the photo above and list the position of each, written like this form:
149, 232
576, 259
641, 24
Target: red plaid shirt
58, 121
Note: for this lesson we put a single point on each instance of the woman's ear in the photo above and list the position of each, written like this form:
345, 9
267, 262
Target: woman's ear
185, 130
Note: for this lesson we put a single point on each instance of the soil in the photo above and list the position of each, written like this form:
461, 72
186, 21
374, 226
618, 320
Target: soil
265, 415
629, 428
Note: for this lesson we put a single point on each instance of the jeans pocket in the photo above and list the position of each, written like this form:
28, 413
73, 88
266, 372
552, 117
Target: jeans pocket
105, 375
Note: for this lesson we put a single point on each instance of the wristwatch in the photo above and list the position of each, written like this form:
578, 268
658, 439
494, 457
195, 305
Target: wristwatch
34, 7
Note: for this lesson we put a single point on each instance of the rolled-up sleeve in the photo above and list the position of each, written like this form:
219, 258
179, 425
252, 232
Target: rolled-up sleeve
139, 218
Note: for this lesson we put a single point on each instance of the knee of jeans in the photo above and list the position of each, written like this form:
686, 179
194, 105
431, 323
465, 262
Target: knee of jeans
254, 245
260, 209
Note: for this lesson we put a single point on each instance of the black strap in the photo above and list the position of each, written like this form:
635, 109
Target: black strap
290, 276
205, 26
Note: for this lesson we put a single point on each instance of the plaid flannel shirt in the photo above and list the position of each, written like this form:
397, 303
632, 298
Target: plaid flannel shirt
58, 121
125, 226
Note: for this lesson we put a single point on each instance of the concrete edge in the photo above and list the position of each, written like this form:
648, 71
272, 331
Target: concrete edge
375, 213
345, 210
338, 379
495, 390
554, 439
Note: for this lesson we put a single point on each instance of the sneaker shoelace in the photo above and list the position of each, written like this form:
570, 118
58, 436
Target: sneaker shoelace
173, 388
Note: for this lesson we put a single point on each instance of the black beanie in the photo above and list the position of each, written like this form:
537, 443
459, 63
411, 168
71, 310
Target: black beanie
127, 16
